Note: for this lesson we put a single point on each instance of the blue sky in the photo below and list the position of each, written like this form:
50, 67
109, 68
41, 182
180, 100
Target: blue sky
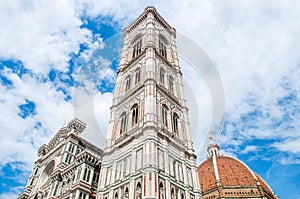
47, 67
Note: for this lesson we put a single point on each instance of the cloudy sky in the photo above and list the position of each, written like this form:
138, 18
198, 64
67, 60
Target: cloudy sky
47, 76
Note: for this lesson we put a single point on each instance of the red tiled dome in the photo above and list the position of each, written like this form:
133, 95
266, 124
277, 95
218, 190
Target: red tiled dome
229, 176
231, 173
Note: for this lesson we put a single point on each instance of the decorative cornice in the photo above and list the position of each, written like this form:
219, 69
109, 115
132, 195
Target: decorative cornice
143, 16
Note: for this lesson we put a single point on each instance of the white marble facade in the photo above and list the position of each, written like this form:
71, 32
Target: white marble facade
148, 151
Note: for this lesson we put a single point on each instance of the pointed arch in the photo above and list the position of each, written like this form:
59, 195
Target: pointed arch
175, 120
116, 195
181, 195
135, 114
137, 48
137, 75
126, 192
162, 48
171, 84
138, 194
128, 83
161, 190
172, 193
162, 73
164, 115
123, 123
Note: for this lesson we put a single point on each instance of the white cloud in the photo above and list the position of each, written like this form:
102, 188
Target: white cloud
248, 149
8, 195
41, 34
20, 142
290, 145
254, 45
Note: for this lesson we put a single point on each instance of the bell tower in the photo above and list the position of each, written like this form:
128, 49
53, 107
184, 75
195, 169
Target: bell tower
148, 151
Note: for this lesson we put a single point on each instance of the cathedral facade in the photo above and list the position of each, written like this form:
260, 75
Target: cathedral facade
148, 151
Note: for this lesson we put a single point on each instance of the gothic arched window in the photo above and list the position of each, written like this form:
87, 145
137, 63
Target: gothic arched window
137, 75
137, 48
128, 82
123, 124
175, 119
162, 49
126, 193
162, 76
172, 193
182, 196
171, 82
116, 195
135, 114
164, 115
180, 172
138, 194
161, 191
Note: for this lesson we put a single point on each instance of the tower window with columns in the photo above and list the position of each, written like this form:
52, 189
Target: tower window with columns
123, 123
162, 76
175, 119
135, 114
137, 75
137, 48
171, 84
162, 49
164, 115
128, 82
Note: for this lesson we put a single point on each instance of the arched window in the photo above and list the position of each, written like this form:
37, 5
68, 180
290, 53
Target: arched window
180, 172
126, 193
182, 196
138, 194
161, 191
123, 124
137, 76
172, 193
171, 82
175, 119
135, 114
162, 76
137, 48
162, 49
164, 115
128, 82
116, 195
